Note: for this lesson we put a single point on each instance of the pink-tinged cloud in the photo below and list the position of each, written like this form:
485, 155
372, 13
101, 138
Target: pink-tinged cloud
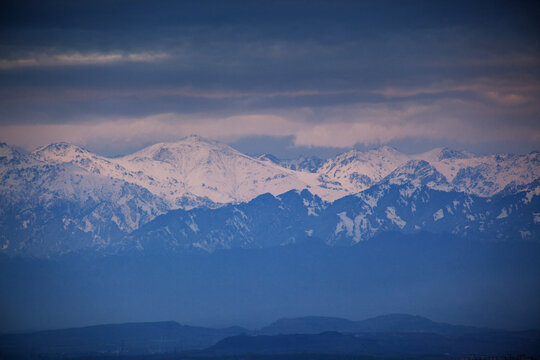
76, 58
341, 127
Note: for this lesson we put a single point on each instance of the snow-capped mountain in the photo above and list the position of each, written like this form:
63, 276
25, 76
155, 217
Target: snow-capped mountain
207, 169
195, 168
479, 175
411, 201
52, 206
483, 175
355, 170
62, 198
191, 172
9, 155
388, 206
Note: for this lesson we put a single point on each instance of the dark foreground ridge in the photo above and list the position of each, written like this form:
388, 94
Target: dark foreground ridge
383, 343
129, 338
380, 337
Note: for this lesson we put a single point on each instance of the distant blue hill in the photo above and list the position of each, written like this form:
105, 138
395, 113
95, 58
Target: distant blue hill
385, 323
120, 339
388, 334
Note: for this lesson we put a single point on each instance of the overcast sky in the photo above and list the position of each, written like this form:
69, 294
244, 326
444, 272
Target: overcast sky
286, 77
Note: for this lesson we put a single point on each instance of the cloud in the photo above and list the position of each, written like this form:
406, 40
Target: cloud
502, 92
342, 127
332, 74
76, 58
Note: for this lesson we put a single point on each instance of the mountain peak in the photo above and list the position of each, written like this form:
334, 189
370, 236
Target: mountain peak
447, 153
60, 152
308, 325
8, 153
383, 323
173, 152
417, 172
58, 147
386, 149
443, 153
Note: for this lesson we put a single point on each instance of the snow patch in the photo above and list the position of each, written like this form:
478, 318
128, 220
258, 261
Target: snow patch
394, 218
529, 195
242, 214
438, 215
193, 225
345, 224
311, 207
503, 214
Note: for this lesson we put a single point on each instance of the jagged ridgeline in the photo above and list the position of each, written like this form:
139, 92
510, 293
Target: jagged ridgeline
202, 194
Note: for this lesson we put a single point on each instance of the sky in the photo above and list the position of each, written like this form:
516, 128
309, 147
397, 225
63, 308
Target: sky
285, 77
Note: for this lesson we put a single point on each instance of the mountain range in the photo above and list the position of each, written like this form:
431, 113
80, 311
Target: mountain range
382, 335
200, 193
396, 323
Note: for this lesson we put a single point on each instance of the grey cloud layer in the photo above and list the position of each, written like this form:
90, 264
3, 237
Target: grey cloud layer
385, 72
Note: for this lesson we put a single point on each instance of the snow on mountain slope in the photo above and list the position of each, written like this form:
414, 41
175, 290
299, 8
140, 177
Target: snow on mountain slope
207, 169
64, 194
483, 175
391, 205
65, 153
354, 171
82, 199
42, 184
200, 172
415, 173
60, 197
188, 173
9, 154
